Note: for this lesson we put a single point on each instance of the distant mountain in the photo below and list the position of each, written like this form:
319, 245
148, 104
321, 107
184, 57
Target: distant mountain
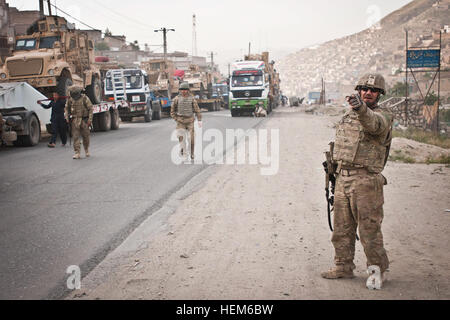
378, 49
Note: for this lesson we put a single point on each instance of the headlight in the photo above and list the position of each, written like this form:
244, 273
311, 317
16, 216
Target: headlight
51, 72
3, 75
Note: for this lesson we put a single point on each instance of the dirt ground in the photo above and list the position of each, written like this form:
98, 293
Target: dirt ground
243, 235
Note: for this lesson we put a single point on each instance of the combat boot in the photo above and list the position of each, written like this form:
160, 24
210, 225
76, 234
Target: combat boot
338, 272
87, 153
76, 156
376, 278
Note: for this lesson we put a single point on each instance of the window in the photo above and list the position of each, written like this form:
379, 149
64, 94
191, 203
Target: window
25, 44
247, 81
48, 42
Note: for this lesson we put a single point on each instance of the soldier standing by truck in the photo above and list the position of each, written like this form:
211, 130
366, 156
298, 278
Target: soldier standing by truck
182, 111
360, 152
79, 114
57, 120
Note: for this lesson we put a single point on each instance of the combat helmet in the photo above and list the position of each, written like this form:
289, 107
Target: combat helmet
184, 86
372, 80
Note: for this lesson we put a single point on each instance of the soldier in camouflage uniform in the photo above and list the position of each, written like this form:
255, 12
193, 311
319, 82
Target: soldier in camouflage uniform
363, 139
79, 112
182, 111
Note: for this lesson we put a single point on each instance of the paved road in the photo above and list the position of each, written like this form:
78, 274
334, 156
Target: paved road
56, 212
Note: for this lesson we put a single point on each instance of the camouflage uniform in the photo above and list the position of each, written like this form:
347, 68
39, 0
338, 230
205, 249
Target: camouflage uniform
183, 110
363, 139
80, 111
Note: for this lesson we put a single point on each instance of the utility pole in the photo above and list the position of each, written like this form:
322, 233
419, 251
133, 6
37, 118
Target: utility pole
194, 36
49, 8
212, 60
164, 31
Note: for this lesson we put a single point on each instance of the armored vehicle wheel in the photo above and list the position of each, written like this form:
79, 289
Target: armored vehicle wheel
104, 121
94, 91
34, 134
62, 88
95, 123
115, 120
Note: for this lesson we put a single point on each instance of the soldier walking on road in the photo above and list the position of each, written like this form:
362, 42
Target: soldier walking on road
182, 111
79, 114
361, 149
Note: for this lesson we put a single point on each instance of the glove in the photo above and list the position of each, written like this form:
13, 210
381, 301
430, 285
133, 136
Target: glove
355, 101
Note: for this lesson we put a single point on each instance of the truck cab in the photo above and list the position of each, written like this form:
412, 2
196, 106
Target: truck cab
132, 85
249, 87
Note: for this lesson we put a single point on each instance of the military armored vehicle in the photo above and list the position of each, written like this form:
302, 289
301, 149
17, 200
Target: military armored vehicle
52, 56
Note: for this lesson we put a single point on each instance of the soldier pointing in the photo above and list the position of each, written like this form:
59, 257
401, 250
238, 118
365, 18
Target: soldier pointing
361, 149
183, 109
79, 114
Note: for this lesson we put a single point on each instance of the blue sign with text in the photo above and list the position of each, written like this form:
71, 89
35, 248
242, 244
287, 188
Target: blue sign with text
424, 58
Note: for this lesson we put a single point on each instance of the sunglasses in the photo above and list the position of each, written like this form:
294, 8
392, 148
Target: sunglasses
374, 90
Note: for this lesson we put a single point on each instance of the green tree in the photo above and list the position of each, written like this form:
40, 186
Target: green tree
108, 33
398, 90
135, 45
431, 99
101, 46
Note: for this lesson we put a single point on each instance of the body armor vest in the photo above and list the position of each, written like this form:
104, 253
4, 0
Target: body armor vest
185, 107
78, 108
356, 148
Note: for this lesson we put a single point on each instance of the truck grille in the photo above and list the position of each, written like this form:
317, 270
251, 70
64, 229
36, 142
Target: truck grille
247, 93
29, 67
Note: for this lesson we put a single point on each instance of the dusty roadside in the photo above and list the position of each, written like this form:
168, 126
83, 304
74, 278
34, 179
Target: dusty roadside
242, 235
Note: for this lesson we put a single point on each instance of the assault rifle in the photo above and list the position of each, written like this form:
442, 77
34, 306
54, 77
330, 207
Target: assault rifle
330, 178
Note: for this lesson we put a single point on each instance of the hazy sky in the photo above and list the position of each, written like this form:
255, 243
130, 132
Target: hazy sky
226, 27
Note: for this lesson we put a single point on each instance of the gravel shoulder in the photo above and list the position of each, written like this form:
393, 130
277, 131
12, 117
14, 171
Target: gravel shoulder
242, 235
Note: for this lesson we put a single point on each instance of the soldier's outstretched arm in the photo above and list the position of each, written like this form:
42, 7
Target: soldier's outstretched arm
197, 111
374, 123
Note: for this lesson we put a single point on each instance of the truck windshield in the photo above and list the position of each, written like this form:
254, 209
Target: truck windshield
47, 42
133, 82
247, 81
26, 44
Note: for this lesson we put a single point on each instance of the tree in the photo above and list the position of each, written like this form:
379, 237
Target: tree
431, 99
101, 46
135, 45
108, 33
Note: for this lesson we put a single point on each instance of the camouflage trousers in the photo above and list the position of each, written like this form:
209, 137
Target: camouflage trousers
80, 129
185, 131
358, 203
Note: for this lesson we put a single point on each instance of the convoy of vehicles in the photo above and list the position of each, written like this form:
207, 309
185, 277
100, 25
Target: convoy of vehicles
53, 55
254, 82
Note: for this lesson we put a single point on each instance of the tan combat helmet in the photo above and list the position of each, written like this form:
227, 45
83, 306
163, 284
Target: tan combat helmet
372, 80
184, 86
75, 89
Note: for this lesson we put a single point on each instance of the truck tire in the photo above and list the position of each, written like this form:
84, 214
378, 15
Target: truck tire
34, 133
115, 120
156, 111
104, 121
62, 87
94, 91
95, 122
148, 114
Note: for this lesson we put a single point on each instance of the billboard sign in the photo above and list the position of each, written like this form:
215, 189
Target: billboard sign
423, 58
